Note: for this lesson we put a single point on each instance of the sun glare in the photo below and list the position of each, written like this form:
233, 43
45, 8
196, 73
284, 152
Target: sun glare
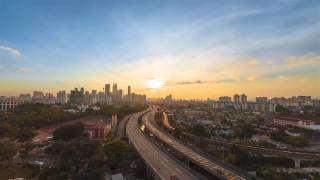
154, 84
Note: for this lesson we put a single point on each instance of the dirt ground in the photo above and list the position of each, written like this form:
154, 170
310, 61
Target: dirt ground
44, 133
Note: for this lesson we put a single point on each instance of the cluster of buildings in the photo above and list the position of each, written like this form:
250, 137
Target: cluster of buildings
79, 96
292, 121
75, 97
101, 129
263, 104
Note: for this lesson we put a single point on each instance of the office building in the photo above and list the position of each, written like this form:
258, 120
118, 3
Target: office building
243, 98
26, 97
316, 103
225, 99
129, 90
107, 89
261, 99
9, 103
62, 97
77, 97
37, 94
236, 98
292, 121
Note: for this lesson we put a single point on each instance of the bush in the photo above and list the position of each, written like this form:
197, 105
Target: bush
68, 132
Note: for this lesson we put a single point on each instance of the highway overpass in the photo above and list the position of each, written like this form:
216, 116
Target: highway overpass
161, 163
219, 169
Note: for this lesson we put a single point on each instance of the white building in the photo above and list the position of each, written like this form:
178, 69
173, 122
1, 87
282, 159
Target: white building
62, 97
9, 103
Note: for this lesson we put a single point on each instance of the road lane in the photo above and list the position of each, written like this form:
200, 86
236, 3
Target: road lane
160, 162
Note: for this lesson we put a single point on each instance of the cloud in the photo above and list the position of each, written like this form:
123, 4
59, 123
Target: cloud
11, 50
269, 62
253, 63
23, 69
227, 80
191, 82
251, 78
283, 78
294, 62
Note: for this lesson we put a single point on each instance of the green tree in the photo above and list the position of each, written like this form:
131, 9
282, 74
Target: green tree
199, 130
68, 132
247, 131
116, 150
281, 109
24, 134
7, 151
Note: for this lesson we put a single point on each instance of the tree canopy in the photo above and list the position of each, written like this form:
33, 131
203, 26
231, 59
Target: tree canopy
68, 132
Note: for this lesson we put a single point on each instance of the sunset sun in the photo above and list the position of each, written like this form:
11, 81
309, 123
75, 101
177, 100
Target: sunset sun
154, 84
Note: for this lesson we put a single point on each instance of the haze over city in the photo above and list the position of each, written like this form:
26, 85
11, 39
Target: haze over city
194, 49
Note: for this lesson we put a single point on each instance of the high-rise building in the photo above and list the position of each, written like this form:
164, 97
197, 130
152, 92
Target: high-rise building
261, 99
86, 98
94, 97
25, 97
120, 93
9, 103
62, 97
37, 94
304, 99
114, 89
107, 89
243, 98
76, 96
129, 90
236, 98
225, 99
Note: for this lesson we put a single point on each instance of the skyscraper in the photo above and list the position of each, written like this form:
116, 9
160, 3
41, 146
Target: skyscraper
243, 98
114, 89
129, 90
107, 89
62, 97
236, 98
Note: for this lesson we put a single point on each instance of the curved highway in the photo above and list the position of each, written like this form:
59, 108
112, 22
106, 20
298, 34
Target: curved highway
216, 168
163, 165
122, 127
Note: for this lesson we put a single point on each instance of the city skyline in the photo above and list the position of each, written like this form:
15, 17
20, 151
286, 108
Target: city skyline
194, 50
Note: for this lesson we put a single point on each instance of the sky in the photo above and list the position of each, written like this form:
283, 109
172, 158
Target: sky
197, 49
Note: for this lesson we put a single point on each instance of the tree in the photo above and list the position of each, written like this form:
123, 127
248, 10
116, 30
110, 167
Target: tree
199, 130
116, 149
280, 108
247, 132
7, 150
68, 132
241, 157
24, 134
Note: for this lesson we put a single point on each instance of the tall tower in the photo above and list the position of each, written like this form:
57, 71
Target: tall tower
129, 90
243, 98
114, 88
107, 89
236, 98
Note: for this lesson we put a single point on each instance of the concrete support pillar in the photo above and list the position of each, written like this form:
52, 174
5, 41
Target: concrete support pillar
297, 163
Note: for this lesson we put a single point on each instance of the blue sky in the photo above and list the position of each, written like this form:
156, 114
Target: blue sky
54, 44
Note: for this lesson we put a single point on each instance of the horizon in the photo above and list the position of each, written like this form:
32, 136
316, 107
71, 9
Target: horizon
194, 50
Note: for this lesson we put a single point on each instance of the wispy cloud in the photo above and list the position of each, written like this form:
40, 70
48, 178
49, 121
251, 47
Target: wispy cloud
294, 62
11, 50
23, 69
227, 80
191, 82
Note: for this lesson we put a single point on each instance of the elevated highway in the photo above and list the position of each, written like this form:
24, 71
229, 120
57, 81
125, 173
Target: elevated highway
290, 153
219, 169
163, 165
